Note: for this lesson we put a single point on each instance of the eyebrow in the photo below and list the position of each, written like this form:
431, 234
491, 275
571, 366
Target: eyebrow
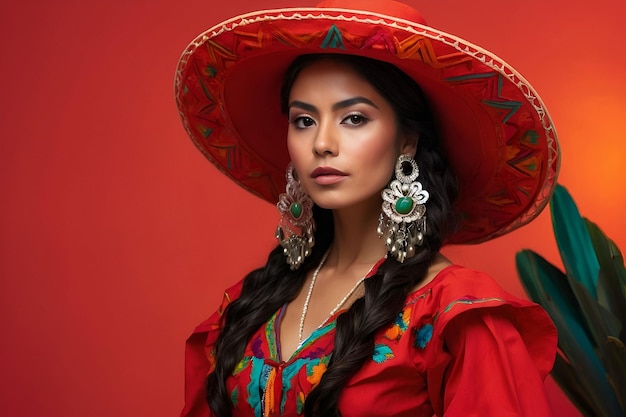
337, 106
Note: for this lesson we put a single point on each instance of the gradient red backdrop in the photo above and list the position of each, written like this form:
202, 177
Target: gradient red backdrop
117, 237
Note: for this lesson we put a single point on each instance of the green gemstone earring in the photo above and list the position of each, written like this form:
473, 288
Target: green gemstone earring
296, 227
402, 221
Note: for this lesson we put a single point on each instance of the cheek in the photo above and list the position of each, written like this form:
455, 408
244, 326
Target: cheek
293, 147
296, 153
379, 153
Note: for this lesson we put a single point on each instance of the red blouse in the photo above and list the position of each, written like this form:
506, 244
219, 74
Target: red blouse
462, 346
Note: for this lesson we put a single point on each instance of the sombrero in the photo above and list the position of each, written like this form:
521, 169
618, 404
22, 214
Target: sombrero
499, 138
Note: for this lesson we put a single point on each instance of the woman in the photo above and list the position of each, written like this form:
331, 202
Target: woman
356, 313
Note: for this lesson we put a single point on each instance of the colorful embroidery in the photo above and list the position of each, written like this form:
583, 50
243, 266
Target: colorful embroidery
300, 403
268, 393
315, 369
256, 344
225, 301
270, 333
316, 335
423, 336
242, 365
211, 359
470, 300
289, 374
416, 296
381, 39
399, 326
382, 353
256, 386
493, 87
234, 397
262, 387
333, 39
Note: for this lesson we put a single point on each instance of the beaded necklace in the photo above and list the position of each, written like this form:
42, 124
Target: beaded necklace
305, 307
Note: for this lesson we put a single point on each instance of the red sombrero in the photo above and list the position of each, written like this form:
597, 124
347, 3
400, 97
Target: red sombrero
498, 135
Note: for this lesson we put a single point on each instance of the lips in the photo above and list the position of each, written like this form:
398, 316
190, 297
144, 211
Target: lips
327, 175
317, 172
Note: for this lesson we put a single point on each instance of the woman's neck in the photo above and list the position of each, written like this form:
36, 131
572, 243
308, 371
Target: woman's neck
356, 240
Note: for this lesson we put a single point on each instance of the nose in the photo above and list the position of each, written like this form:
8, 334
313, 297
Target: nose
326, 140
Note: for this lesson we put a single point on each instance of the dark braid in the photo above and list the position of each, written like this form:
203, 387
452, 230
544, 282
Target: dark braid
265, 290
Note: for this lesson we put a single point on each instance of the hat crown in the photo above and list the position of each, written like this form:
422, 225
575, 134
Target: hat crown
386, 7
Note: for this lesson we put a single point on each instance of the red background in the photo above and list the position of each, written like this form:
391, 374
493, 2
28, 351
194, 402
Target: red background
117, 237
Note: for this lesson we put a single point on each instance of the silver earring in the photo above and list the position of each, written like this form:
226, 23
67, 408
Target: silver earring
403, 220
296, 226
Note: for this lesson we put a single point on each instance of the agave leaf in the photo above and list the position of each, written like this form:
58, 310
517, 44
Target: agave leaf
541, 279
606, 328
601, 322
614, 359
565, 377
548, 286
618, 259
612, 277
573, 240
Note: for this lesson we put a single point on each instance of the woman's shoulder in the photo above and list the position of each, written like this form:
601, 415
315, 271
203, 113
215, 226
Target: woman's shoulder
458, 283
457, 290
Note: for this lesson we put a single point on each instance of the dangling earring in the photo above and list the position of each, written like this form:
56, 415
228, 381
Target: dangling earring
296, 226
403, 219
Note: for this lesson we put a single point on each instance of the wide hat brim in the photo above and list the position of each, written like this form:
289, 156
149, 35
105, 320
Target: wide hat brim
500, 140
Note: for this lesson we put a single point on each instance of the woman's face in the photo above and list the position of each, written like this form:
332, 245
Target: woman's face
343, 135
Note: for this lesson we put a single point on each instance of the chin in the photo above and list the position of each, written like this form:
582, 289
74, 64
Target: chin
329, 205
369, 203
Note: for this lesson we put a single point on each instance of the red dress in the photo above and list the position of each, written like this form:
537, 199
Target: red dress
462, 346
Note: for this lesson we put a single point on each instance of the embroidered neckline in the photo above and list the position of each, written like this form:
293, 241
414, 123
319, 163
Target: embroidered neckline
272, 327
272, 336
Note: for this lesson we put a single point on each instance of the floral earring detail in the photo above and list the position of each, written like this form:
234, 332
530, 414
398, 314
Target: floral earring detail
403, 219
296, 226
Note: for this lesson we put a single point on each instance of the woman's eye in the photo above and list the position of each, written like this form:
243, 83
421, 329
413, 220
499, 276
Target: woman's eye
355, 120
302, 122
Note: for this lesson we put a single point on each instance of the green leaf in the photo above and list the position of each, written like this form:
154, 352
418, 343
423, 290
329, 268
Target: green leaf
564, 375
588, 306
548, 286
614, 358
612, 276
574, 241
601, 322
612, 297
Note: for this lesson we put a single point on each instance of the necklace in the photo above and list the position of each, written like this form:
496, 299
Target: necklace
305, 307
